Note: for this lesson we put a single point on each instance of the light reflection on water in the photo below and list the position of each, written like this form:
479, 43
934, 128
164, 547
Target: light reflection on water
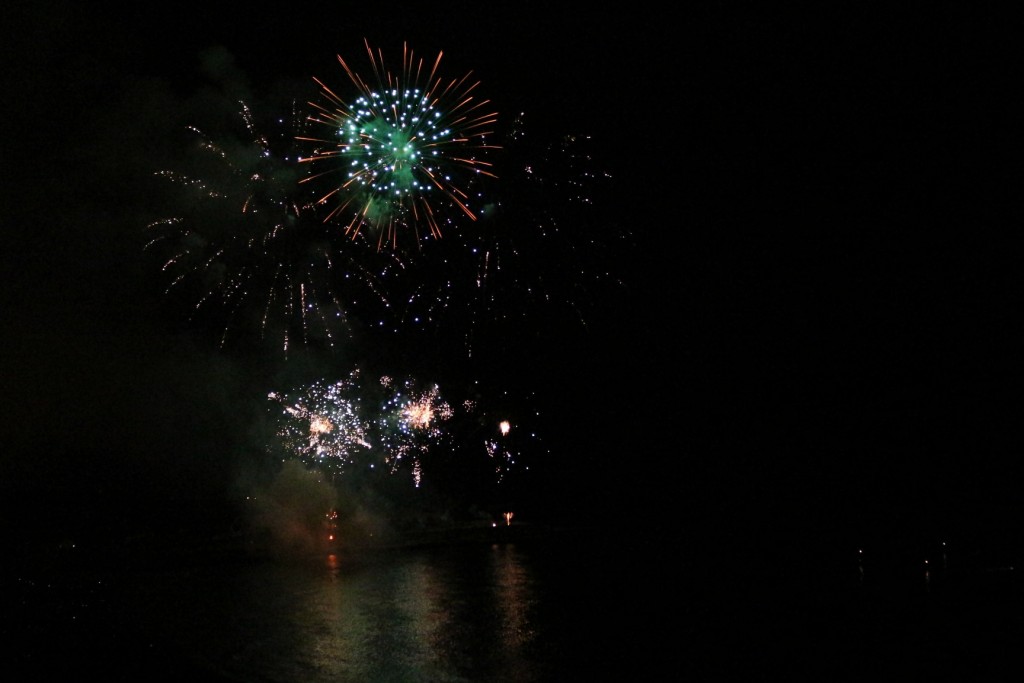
462, 613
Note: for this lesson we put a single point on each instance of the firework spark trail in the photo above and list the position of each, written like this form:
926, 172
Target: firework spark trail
246, 251
396, 146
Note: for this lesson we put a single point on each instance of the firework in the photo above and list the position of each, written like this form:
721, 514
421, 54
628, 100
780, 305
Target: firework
325, 426
411, 422
349, 428
500, 431
504, 448
345, 426
546, 256
255, 247
405, 155
242, 248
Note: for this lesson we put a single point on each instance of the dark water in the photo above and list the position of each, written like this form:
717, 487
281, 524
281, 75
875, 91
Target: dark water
564, 607
530, 609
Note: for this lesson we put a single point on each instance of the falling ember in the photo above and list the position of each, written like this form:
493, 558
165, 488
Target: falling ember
504, 426
508, 518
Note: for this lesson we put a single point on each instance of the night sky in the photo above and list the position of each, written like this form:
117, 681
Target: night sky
812, 219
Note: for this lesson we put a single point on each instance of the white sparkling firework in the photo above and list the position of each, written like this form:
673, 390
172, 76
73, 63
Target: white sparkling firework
325, 427
399, 428
340, 426
412, 423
